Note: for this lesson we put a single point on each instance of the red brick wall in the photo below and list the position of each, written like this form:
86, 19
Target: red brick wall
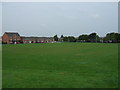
17, 38
5, 38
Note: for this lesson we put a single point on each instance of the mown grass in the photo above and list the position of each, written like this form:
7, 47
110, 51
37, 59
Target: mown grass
60, 65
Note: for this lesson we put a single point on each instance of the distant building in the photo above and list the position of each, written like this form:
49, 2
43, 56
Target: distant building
11, 37
37, 39
15, 38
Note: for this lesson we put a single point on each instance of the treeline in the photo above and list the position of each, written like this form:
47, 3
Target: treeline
93, 37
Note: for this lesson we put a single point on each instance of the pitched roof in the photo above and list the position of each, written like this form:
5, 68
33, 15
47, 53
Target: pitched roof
10, 34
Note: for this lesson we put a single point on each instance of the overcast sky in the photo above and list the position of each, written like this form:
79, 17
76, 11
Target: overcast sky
48, 19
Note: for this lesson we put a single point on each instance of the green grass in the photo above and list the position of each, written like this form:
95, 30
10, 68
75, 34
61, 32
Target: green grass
60, 65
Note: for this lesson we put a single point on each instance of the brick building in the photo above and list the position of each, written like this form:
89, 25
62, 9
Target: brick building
14, 38
11, 37
37, 39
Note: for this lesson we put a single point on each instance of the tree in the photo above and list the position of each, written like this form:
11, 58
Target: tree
83, 38
93, 37
112, 37
61, 36
55, 38
115, 37
71, 39
65, 38
118, 38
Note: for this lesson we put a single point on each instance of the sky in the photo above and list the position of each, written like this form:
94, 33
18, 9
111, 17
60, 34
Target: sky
59, 0
61, 18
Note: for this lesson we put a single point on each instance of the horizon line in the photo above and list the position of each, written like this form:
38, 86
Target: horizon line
54, 34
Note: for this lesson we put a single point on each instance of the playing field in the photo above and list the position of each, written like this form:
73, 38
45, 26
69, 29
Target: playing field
60, 65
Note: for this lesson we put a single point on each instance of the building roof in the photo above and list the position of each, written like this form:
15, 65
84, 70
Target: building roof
35, 38
10, 34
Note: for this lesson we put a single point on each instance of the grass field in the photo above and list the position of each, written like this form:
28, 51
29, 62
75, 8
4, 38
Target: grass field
60, 65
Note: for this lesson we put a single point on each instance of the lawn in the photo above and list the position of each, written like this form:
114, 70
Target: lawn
60, 65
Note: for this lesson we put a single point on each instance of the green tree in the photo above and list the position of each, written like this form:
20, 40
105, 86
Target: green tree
56, 38
71, 39
61, 36
83, 38
93, 37
65, 39
112, 37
